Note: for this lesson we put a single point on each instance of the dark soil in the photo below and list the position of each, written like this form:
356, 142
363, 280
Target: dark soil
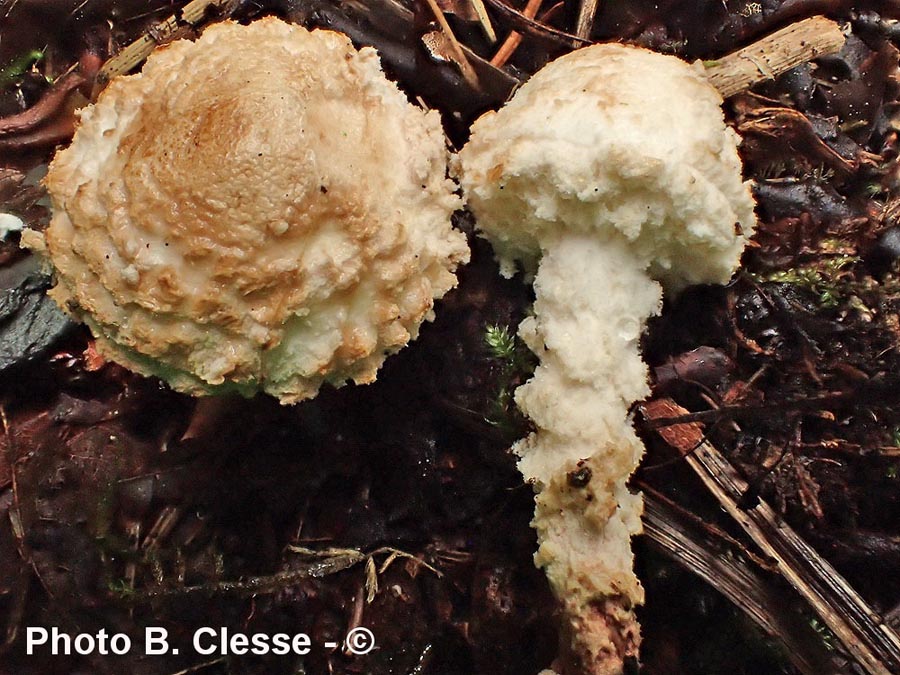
125, 505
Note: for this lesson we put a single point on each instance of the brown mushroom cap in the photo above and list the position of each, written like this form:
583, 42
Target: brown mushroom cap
258, 209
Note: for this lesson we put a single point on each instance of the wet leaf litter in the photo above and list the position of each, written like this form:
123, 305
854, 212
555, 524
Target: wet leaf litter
808, 330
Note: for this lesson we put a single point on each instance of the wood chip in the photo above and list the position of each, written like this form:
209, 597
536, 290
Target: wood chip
774, 54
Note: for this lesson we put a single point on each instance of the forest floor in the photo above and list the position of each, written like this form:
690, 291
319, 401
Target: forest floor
397, 505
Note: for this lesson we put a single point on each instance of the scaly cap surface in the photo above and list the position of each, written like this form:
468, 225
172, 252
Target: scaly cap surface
258, 209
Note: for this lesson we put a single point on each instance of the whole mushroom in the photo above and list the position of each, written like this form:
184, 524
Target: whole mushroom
235, 224
609, 172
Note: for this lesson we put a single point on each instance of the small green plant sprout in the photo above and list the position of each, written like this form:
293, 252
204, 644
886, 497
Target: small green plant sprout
823, 279
120, 587
500, 341
895, 437
506, 346
516, 366
836, 246
824, 632
20, 65
873, 190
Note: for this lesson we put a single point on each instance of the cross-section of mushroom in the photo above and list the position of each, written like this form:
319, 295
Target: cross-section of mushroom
609, 171
257, 210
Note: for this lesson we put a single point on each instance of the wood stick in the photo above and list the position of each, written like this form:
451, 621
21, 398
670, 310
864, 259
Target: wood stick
864, 634
461, 59
586, 13
774, 54
484, 20
541, 31
513, 40
192, 14
742, 583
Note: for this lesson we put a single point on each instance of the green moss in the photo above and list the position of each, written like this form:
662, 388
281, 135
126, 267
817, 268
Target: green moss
828, 638
20, 65
517, 364
501, 343
823, 279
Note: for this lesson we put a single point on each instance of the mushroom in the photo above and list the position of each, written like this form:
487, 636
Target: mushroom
610, 172
230, 223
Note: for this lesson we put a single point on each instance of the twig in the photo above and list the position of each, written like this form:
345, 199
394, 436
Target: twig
738, 411
670, 533
326, 562
47, 107
191, 14
538, 30
884, 389
509, 46
391, 28
252, 585
864, 634
484, 20
586, 13
709, 531
772, 55
461, 59
762, 60
162, 527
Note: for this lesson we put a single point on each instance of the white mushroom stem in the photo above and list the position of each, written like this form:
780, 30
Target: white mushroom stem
579, 459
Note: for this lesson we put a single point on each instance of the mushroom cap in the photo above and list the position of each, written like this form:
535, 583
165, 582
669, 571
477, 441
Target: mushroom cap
260, 209
620, 141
